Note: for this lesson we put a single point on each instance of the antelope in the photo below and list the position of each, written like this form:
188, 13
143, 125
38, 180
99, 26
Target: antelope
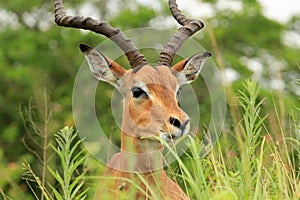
151, 112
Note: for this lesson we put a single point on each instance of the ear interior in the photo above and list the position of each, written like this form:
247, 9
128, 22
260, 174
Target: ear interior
103, 68
188, 70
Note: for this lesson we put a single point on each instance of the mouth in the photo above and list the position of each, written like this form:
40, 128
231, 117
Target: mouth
170, 137
173, 136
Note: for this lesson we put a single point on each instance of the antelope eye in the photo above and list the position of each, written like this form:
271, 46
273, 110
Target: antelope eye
138, 92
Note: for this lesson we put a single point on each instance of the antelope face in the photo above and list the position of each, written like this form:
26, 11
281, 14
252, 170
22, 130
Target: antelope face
151, 105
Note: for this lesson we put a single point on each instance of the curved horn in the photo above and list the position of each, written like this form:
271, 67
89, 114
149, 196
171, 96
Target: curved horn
135, 58
189, 27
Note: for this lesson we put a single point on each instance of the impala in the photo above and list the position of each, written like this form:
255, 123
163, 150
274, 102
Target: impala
151, 112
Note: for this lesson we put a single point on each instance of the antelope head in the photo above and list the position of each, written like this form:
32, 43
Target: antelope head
150, 106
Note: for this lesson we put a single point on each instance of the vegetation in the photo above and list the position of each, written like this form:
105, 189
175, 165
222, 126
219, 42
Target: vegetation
256, 157
70, 160
257, 168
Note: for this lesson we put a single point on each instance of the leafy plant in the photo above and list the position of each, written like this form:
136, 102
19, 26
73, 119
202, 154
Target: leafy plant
69, 185
70, 161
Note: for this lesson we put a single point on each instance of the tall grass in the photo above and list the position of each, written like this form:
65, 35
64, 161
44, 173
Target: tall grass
246, 163
257, 168
38, 122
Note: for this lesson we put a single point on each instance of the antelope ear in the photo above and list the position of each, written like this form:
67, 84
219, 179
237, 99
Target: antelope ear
103, 68
186, 71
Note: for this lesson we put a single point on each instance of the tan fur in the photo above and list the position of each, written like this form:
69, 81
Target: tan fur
179, 66
141, 122
116, 68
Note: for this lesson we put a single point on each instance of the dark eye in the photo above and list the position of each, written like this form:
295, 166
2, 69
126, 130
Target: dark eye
138, 92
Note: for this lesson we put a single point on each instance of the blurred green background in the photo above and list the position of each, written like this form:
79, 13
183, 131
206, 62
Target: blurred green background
39, 62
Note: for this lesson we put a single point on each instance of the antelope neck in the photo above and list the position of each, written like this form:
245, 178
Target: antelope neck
140, 155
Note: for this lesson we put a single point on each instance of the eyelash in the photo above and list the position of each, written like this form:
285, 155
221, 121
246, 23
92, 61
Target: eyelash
138, 92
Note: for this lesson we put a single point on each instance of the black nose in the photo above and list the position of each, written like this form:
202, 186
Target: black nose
175, 122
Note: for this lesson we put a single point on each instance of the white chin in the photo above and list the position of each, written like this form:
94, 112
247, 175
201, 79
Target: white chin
169, 137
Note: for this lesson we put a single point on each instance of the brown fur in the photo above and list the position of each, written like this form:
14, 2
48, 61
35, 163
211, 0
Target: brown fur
142, 122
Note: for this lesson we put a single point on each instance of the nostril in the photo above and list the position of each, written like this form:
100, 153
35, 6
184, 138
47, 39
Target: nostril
175, 122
